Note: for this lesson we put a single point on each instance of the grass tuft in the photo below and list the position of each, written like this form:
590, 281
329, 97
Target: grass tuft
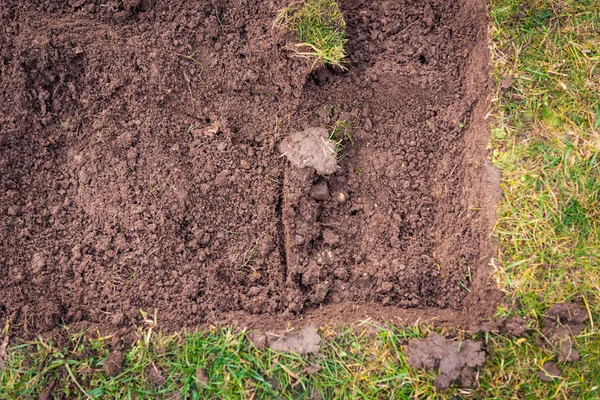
320, 30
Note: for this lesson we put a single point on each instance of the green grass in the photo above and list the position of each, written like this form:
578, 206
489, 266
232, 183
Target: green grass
365, 362
319, 27
545, 141
342, 134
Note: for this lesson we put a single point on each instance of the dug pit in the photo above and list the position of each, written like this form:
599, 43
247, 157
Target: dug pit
140, 166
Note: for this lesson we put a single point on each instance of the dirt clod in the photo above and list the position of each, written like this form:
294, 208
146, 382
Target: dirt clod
562, 322
549, 371
258, 339
114, 363
454, 360
201, 377
515, 325
304, 341
14, 210
311, 148
157, 379
47, 393
320, 293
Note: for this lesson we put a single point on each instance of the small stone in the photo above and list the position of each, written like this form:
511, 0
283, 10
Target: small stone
320, 191
245, 164
368, 125
340, 197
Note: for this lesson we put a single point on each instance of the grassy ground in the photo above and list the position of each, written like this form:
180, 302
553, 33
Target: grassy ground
545, 140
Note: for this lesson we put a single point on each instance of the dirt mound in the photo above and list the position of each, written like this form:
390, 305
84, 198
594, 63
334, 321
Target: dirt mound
454, 359
140, 169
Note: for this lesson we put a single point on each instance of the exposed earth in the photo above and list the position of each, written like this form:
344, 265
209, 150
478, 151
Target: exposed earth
140, 165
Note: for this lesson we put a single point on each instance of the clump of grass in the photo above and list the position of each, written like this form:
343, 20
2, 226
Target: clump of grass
320, 30
342, 129
341, 134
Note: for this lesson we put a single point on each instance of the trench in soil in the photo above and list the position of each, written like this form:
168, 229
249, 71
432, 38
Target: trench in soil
140, 168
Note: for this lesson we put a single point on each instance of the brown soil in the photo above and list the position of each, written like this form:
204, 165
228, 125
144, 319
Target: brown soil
140, 166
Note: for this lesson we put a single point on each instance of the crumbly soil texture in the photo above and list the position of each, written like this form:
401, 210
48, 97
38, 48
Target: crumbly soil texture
140, 165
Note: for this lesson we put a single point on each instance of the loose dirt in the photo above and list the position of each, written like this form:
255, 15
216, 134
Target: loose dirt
140, 166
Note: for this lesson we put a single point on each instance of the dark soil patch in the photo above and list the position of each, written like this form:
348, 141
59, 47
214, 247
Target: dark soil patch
140, 166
